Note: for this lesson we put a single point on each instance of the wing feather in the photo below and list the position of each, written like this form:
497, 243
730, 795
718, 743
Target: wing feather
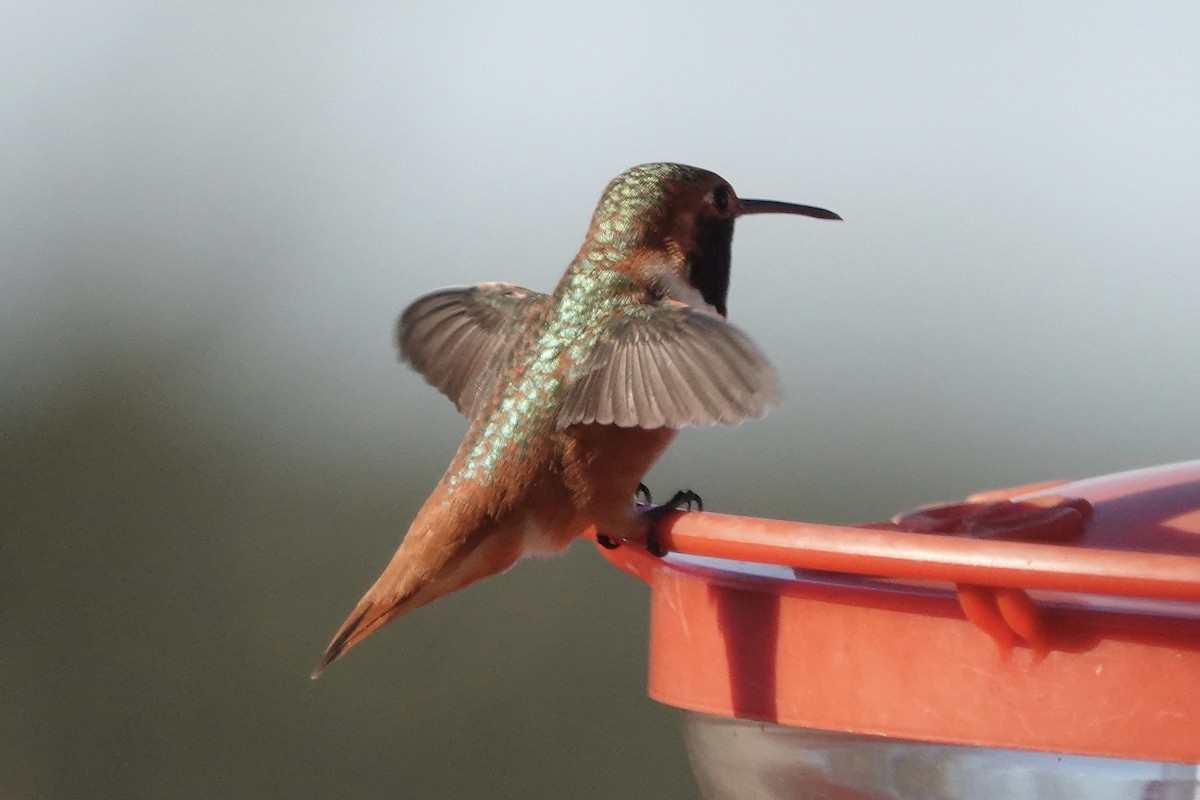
667, 365
458, 338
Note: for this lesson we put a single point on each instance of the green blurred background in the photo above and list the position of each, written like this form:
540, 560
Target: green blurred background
210, 216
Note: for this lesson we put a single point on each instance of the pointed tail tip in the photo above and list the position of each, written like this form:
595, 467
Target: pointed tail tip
349, 633
325, 661
332, 653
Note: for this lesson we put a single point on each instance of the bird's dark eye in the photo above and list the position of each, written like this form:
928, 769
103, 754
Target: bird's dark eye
720, 198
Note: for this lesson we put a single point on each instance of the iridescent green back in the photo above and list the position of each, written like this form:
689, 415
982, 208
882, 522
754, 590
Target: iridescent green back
546, 361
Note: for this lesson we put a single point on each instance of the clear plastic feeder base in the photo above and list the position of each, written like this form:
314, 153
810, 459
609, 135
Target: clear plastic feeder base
737, 759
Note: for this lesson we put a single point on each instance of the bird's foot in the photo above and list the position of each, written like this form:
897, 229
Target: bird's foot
681, 500
685, 499
653, 547
607, 542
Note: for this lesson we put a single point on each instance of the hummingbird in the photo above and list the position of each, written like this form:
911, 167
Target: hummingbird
572, 396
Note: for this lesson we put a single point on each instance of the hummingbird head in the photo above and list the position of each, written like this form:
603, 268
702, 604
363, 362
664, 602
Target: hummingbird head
670, 227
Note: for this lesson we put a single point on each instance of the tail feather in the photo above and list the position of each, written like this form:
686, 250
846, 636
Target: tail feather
395, 591
358, 626
430, 563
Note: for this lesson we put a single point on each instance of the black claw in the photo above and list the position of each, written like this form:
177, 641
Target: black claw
684, 498
653, 547
643, 491
607, 542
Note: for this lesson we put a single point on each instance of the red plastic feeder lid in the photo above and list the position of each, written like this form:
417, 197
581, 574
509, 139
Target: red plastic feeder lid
1063, 617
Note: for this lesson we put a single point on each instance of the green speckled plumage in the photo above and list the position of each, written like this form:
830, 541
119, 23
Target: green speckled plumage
632, 201
552, 356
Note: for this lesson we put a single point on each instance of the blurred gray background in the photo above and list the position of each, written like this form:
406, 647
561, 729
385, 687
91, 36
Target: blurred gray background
210, 216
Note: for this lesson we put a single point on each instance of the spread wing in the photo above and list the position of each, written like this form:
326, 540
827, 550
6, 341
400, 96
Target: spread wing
457, 338
666, 365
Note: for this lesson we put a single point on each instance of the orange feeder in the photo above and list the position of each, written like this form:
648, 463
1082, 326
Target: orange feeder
1042, 636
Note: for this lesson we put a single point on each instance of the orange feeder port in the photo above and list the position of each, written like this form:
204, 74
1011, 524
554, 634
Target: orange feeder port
1058, 618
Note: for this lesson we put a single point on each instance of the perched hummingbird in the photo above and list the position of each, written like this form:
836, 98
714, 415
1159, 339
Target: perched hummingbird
572, 396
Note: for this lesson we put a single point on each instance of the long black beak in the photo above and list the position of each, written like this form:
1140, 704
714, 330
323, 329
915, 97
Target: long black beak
775, 207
